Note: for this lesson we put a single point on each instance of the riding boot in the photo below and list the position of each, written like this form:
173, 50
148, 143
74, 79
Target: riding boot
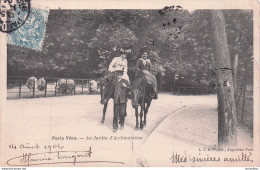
154, 95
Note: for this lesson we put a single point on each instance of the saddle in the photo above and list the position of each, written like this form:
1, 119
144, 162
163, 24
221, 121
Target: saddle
151, 80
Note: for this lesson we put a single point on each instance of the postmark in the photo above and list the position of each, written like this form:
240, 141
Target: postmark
13, 14
31, 34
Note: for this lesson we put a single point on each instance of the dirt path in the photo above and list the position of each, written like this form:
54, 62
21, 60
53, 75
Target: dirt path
171, 121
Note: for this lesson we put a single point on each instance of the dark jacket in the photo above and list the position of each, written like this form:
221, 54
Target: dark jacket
120, 93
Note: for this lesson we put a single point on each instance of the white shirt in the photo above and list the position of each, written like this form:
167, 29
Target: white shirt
119, 63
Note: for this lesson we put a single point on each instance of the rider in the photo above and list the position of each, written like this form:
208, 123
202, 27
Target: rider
117, 70
119, 64
120, 86
143, 67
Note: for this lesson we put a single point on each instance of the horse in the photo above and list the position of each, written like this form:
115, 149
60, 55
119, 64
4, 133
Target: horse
141, 96
103, 90
105, 87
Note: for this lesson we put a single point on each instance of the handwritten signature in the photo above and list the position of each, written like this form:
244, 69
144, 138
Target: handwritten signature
59, 157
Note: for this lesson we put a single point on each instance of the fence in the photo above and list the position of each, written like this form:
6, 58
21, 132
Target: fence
192, 90
244, 106
244, 93
16, 88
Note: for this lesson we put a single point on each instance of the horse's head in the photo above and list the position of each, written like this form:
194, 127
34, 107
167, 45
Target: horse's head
136, 93
103, 90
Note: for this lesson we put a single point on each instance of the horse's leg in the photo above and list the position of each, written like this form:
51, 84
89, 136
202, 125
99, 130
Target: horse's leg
146, 111
141, 116
142, 106
104, 113
136, 116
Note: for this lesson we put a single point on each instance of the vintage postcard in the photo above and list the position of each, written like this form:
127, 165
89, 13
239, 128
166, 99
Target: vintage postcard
121, 83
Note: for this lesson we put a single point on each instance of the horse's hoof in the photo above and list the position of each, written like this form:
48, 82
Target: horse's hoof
102, 123
122, 127
141, 126
136, 128
114, 130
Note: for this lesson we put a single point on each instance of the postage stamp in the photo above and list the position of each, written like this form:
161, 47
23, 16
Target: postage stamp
31, 34
13, 14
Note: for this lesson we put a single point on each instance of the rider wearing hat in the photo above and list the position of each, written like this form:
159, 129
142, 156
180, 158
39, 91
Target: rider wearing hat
120, 86
117, 71
143, 68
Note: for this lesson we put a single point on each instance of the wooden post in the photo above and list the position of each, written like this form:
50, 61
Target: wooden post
244, 91
45, 88
20, 88
74, 86
82, 82
244, 84
56, 88
243, 105
66, 88
227, 118
33, 87
89, 84
235, 72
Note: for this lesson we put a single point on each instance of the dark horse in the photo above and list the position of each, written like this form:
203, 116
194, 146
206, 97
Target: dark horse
141, 96
104, 88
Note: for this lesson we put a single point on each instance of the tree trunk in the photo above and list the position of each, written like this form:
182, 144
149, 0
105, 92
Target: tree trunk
227, 122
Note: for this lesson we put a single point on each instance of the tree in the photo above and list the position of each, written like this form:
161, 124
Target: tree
81, 44
227, 122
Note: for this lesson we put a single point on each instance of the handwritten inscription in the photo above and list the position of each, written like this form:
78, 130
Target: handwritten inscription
177, 158
28, 146
28, 159
55, 154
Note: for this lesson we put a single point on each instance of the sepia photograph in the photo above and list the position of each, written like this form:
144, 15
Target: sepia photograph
167, 87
